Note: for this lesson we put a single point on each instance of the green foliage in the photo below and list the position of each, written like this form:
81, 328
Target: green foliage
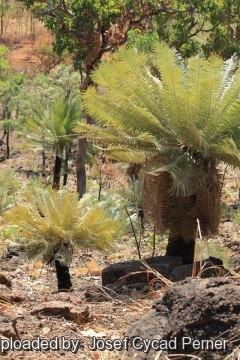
61, 82
52, 127
207, 26
212, 26
77, 22
9, 232
114, 204
52, 223
4, 64
142, 41
205, 249
191, 114
235, 215
8, 188
10, 84
8, 181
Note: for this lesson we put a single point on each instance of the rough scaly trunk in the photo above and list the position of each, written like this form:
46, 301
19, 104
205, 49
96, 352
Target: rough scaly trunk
63, 276
57, 172
80, 166
65, 175
184, 249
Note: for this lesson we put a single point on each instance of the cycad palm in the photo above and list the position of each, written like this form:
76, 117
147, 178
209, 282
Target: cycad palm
54, 127
52, 222
181, 125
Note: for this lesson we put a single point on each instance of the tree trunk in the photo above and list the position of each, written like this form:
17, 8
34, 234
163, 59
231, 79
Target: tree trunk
7, 145
57, 172
63, 276
65, 175
92, 61
43, 162
80, 166
1, 24
178, 247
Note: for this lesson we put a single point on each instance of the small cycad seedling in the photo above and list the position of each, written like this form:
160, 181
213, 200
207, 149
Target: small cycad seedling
52, 223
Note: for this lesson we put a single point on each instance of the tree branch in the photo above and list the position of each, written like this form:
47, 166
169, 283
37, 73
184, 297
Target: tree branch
203, 30
157, 12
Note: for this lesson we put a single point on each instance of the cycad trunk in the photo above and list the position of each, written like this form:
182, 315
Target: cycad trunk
80, 166
177, 246
57, 172
63, 276
180, 214
65, 175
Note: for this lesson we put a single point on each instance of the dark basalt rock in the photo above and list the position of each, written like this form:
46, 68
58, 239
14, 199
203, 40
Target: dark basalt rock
136, 271
207, 268
201, 309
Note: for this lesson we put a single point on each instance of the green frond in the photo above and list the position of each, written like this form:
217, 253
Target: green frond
114, 206
48, 220
227, 152
52, 126
124, 155
6, 201
228, 70
226, 118
184, 117
8, 181
119, 137
8, 188
187, 176
96, 229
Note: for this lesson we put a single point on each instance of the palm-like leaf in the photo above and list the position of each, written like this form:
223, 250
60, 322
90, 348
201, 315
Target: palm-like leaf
52, 126
184, 123
49, 220
194, 107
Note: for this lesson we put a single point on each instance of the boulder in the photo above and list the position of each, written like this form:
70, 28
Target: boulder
135, 272
198, 316
207, 268
64, 309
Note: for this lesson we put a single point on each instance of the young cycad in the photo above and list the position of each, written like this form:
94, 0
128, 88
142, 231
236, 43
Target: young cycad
52, 223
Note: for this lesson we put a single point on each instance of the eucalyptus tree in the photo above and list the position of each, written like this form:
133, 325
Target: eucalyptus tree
180, 126
6, 11
10, 86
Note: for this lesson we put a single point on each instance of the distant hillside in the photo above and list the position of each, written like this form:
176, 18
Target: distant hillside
22, 34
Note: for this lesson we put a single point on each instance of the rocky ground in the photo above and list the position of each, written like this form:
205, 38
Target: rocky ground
31, 308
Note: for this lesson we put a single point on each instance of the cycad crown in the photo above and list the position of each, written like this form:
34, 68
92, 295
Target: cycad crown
51, 223
180, 119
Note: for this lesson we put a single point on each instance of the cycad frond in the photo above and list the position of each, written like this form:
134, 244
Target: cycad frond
144, 142
228, 70
8, 187
227, 117
52, 126
192, 107
49, 220
187, 175
226, 152
124, 155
